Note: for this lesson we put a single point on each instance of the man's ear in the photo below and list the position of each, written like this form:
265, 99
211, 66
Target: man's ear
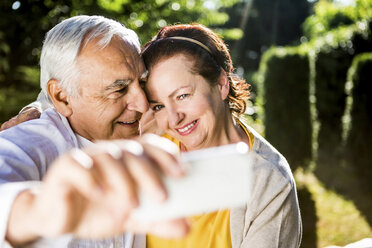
59, 98
223, 85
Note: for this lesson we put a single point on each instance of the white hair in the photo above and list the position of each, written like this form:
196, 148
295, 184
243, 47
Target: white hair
63, 43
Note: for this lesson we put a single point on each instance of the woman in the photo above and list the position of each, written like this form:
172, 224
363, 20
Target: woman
195, 98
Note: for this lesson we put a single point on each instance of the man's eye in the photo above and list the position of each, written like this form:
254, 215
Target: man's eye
157, 108
122, 90
183, 96
118, 93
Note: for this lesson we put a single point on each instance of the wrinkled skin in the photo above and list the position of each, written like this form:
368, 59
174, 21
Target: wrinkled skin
26, 115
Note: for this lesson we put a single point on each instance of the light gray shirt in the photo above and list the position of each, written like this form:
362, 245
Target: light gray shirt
26, 152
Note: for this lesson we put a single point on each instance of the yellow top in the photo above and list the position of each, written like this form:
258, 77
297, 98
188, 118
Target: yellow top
247, 132
211, 230
207, 230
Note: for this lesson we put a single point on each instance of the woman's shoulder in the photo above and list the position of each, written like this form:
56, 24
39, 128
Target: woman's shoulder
267, 157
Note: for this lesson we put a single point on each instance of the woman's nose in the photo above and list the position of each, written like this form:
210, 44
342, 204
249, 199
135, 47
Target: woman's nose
175, 117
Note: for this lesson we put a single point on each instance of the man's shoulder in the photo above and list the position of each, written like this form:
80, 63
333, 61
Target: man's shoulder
49, 128
27, 150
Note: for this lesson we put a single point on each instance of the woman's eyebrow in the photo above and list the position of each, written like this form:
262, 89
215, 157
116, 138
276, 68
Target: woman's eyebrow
176, 90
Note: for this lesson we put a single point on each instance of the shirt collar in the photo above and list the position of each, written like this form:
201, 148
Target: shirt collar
80, 140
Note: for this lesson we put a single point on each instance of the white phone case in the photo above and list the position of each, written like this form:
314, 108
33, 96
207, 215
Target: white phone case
216, 178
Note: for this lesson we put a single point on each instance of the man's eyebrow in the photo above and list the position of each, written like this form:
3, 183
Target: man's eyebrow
120, 83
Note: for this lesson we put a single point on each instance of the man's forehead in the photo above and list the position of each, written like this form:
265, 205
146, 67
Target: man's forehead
117, 46
119, 61
117, 52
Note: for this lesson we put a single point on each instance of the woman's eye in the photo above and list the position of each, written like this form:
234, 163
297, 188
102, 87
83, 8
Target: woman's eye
183, 96
157, 108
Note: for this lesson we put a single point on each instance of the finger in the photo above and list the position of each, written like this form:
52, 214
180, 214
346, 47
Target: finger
177, 228
162, 143
174, 228
31, 114
66, 210
167, 162
164, 153
118, 183
142, 169
3, 126
8, 124
67, 171
145, 175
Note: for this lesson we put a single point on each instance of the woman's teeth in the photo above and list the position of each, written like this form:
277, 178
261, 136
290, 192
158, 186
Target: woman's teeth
187, 127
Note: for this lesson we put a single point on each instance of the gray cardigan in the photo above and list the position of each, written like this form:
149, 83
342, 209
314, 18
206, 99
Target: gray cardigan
272, 216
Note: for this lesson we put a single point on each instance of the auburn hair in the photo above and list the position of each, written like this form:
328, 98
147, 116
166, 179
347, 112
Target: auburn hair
210, 58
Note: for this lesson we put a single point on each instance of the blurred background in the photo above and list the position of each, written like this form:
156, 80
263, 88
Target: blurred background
310, 67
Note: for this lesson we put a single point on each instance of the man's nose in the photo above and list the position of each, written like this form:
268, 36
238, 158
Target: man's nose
137, 100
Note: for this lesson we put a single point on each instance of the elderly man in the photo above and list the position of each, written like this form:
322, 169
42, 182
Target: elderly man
91, 71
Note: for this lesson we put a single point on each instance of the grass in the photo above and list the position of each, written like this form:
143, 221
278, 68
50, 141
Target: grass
332, 200
338, 220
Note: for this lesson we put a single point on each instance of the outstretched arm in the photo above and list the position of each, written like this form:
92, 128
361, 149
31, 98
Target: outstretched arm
91, 193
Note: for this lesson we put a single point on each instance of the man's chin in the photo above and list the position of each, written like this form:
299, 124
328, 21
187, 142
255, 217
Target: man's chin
127, 135
123, 131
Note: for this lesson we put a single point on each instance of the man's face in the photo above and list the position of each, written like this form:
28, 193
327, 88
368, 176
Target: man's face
111, 99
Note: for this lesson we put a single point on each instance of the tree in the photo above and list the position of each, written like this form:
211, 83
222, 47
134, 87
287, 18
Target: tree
23, 24
271, 22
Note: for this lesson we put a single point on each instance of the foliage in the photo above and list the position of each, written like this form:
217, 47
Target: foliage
270, 22
333, 55
364, 9
331, 50
23, 24
329, 15
359, 139
330, 77
286, 103
146, 17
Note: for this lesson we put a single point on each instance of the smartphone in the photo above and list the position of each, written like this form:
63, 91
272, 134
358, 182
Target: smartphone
216, 178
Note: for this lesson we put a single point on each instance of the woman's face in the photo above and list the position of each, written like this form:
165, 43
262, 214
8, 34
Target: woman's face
184, 104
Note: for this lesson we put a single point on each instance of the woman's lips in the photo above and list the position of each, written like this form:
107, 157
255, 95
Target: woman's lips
187, 129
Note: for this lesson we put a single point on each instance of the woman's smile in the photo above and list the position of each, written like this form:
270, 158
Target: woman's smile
188, 128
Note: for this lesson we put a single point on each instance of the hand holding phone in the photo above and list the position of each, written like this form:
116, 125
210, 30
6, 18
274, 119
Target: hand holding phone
216, 178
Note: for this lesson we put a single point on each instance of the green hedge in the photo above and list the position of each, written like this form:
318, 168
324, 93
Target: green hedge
359, 140
333, 56
285, 78
330, 78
